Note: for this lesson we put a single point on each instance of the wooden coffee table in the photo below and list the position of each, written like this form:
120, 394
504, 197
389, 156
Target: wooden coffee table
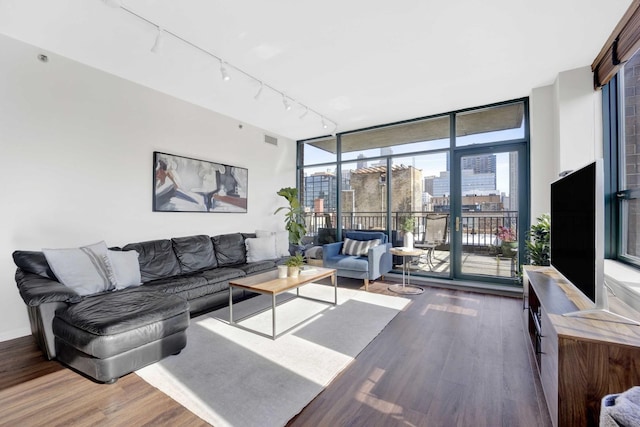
268, 283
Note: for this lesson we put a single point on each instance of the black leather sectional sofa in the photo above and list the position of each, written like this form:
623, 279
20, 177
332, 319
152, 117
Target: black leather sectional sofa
110, 334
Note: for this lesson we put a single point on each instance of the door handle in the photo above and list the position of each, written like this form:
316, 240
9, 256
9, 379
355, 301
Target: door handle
457, 223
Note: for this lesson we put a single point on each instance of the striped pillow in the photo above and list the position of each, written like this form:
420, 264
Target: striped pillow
82, 269
358, 247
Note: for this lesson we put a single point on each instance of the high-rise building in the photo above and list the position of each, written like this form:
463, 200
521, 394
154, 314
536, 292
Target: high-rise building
428, 185
485, 163
321, 185
472, 183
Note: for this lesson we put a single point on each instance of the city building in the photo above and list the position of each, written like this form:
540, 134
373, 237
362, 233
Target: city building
320, 185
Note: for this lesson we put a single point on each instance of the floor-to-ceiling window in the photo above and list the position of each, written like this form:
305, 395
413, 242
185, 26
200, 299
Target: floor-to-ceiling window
461, 178
629, 163
622, 160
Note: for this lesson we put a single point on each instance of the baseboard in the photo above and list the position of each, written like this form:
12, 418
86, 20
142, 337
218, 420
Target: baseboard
481, 287
16, 333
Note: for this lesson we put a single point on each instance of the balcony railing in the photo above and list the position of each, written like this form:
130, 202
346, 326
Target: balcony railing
479, 229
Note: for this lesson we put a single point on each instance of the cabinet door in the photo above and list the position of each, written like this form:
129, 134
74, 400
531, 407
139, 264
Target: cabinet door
549, 365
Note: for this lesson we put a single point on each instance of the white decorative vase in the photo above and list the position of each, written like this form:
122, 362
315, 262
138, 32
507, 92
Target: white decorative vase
408, 240
282, 271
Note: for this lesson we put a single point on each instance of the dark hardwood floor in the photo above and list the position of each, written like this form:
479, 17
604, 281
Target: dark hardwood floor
451, 358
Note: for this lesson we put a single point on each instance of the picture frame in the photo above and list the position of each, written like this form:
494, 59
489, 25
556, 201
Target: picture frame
185, 184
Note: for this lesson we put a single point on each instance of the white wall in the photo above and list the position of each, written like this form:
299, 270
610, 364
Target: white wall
76, 149
566, 131
542, 149
578, 105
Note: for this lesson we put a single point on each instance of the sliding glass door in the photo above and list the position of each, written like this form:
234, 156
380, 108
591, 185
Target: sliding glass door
489, 214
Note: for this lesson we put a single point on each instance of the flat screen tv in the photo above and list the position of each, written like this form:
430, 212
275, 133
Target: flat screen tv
577, 234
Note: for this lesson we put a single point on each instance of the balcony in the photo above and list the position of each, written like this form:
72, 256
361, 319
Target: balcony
482, 253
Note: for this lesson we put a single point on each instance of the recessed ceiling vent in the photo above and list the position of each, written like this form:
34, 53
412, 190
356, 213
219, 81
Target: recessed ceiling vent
271, 140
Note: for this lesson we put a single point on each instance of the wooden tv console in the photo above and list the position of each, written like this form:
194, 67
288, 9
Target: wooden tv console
580, 360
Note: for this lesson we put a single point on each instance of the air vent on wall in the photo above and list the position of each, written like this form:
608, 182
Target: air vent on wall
271, 140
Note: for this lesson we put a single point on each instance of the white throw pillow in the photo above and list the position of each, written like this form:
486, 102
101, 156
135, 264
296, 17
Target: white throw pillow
82, 269
125, 268
260, 249
358, 247
282, 240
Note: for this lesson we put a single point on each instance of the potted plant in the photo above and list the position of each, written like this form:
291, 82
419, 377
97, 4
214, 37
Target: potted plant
537, 242
294, 223
509, 241
294, 263
407, 228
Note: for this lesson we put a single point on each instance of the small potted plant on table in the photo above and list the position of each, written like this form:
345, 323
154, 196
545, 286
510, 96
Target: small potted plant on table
294, 263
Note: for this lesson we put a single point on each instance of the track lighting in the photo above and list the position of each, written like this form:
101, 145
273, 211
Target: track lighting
223, 71
259, 92
159, 43
163, 33
287, 106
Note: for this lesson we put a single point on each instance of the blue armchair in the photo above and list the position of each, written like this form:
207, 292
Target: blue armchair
370, 267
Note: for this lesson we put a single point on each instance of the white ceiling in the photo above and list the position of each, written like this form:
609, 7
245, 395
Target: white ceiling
357, 62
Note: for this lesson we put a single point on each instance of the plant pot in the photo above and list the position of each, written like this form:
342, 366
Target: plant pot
282, 271
293, 271
408, 240
509, 249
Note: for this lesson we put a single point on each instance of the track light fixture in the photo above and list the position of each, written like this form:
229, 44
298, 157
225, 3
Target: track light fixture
259, 92
159, 43
163, 33
223, 71
287, 106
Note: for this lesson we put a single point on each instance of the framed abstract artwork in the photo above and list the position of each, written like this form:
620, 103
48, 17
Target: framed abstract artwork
183, 184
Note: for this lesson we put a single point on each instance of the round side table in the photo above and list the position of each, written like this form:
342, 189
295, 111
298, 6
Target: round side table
406, 288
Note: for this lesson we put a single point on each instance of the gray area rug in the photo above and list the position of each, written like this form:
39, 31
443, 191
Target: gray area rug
232, 377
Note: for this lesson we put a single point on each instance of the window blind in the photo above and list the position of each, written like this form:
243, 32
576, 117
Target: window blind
621, 45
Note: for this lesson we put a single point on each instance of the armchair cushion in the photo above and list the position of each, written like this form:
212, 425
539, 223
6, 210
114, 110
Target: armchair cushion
354, 263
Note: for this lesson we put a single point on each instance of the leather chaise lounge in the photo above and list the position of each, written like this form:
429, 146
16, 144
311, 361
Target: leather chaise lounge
109, 334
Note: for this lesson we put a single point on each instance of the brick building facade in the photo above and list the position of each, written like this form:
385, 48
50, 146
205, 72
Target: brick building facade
632, 148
